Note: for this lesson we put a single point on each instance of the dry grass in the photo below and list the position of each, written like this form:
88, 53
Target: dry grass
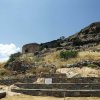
25, 97
3, 71
52, 57
85, 55
90, 55
2, 64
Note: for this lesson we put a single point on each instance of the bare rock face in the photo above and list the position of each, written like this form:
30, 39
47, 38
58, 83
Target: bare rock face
40, 81
84, 63
77, 72
70, 73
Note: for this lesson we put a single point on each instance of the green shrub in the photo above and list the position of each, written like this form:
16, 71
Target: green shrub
68, 54
12, 58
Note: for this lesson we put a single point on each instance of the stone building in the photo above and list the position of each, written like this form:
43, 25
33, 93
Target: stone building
30, 48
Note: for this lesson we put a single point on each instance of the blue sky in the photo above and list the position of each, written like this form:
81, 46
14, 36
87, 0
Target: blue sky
26, 21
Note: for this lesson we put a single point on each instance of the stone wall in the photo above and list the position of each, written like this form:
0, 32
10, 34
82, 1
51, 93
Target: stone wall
59, 79
46, 75
30, 48
71, 87
67, 86
76, 80
11, 81
59, 93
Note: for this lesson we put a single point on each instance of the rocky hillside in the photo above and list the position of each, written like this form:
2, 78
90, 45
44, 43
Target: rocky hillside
89, 35
75, 54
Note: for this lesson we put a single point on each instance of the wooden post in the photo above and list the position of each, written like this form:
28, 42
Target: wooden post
64, 95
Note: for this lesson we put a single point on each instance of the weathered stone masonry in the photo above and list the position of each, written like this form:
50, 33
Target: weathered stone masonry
30, 48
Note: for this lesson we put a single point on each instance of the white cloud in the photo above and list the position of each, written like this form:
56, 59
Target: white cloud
6, 50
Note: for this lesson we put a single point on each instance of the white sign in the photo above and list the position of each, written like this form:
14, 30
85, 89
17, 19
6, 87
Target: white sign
48, 80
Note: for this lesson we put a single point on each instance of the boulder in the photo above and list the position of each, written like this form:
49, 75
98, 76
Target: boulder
72, 74
40, 81
2, 94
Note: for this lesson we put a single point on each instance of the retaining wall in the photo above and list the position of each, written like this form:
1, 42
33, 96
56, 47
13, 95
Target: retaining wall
60, 93
76, 80
74, 86
11, 81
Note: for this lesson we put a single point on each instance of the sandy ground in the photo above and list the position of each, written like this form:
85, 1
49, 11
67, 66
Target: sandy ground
18, 96
25, 97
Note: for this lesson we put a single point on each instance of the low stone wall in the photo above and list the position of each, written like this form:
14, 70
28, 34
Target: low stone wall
71, 87
32, 79
68, 86
59, 93
11, 81
76, 80
52, 75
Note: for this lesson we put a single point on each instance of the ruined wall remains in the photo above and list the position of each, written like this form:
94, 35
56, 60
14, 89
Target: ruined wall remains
30, 48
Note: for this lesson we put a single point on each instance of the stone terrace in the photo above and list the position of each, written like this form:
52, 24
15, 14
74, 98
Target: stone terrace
61, 87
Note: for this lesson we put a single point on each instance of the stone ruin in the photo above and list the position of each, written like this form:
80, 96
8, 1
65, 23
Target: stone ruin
59, 85
86, 37
30, 48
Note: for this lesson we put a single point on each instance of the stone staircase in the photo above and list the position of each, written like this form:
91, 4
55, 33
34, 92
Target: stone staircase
69, 87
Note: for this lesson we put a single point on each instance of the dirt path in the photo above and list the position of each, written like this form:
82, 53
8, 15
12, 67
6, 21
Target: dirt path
25, 97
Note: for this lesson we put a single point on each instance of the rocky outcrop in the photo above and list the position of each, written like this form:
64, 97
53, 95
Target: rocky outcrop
19, 66
84, 63
87, 37
90, 34
52, 44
